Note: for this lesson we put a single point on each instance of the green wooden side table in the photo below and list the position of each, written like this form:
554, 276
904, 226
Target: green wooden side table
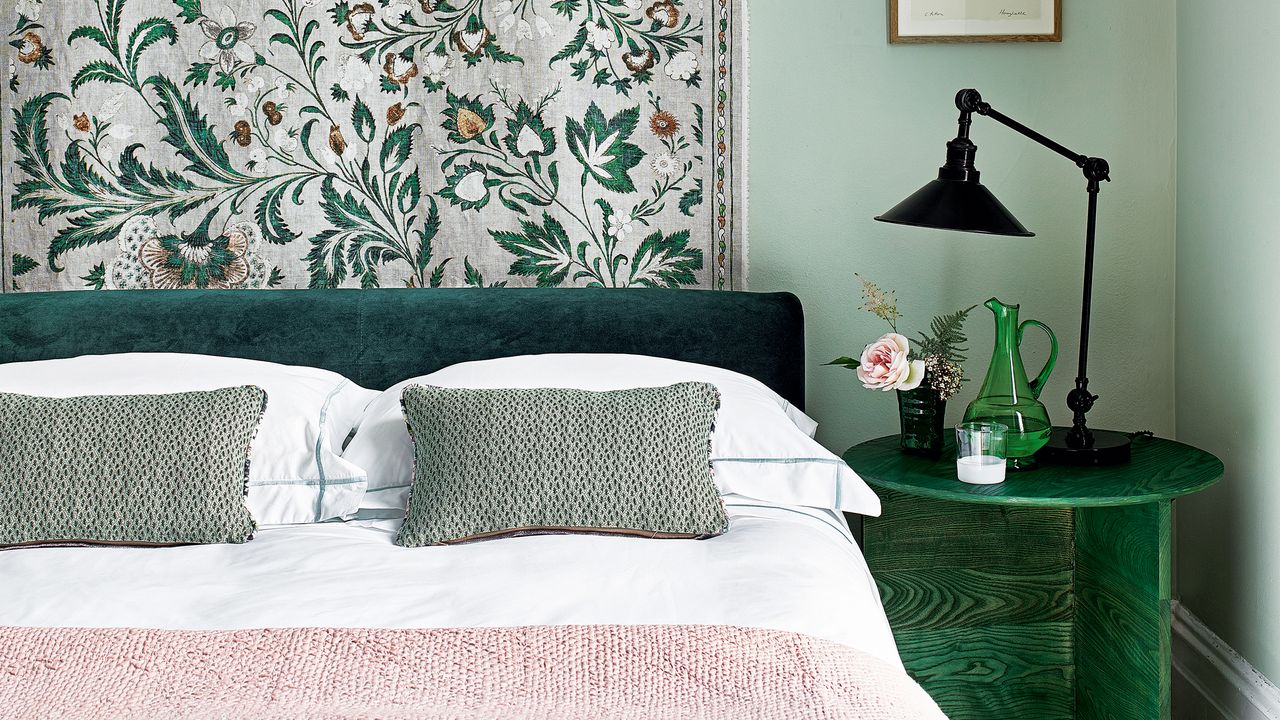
1044, 597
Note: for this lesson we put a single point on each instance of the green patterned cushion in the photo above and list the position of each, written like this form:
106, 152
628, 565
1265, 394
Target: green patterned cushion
127, 469
506, 462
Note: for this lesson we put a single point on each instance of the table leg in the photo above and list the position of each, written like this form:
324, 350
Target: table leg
979, 599
1122, 621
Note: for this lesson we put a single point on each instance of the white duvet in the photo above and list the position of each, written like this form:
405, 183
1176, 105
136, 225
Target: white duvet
783, 568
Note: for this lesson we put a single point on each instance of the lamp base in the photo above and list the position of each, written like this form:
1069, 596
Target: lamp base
1109, 448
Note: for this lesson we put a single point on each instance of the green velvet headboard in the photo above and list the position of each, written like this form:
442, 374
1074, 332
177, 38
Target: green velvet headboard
379, 337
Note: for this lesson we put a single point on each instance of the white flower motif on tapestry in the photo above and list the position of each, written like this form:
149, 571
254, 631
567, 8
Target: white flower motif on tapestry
437, 65
283, 89
117, 131
355, 74
29, 9
601, 37
258, 155
620, 225
633, 4
529, 142
544, 27
513, 21
394, 12
682, 65
255, 83
471, 188
238, 105
284, 140
330, 158
226, 39
665, 165
111, 107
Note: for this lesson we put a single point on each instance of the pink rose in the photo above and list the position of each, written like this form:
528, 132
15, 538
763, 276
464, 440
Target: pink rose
884, 365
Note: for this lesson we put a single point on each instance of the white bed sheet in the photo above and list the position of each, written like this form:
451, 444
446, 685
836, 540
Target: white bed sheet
783, 568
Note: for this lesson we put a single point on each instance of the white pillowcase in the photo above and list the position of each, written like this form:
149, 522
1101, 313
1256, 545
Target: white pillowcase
296, 473
762, 447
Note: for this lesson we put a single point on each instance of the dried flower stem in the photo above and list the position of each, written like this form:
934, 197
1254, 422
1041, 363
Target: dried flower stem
880, 302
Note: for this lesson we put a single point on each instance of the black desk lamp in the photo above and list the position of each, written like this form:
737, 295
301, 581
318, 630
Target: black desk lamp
957, 201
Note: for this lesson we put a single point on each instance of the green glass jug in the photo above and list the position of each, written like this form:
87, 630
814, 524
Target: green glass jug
1007, 396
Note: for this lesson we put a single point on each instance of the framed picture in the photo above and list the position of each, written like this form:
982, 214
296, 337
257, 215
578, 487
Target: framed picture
934, 21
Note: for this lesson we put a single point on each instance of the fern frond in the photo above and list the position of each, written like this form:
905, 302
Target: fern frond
946, 338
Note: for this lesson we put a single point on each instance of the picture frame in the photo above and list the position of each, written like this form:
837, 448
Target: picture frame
974, 21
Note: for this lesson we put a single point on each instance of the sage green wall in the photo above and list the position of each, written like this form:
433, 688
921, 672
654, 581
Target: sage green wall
843, 125
1228, 256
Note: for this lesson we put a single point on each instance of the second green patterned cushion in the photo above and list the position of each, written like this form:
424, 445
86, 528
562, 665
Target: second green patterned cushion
490, 463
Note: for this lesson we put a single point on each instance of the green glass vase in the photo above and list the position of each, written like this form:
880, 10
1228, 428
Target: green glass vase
921, 412
1007, 395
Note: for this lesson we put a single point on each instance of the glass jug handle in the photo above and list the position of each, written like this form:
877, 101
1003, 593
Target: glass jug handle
1038, 384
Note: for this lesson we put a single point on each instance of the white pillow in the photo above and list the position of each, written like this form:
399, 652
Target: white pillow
762, 447
296, 473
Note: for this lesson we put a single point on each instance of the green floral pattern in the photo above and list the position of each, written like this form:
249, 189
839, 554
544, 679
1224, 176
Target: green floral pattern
326, 143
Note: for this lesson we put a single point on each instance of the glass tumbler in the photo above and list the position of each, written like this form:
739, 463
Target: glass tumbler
980, 452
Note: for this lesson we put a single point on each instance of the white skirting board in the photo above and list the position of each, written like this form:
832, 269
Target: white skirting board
1211, 680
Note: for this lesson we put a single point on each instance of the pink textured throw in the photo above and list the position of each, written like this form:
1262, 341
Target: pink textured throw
545, 672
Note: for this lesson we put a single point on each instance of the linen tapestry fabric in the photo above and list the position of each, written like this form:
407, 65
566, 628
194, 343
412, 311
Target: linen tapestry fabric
494, 462
363, 143
127, 469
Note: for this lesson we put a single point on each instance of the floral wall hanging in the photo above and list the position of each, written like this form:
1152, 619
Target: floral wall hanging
373, 143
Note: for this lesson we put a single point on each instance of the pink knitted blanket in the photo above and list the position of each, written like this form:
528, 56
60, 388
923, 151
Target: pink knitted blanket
551, 673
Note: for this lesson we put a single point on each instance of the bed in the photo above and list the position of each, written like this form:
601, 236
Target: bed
133, 619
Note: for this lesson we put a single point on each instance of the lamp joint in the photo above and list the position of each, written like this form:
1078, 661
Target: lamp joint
970, 101
1081, 400
1096, 169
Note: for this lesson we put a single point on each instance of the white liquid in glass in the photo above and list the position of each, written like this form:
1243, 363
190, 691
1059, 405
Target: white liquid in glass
980, 469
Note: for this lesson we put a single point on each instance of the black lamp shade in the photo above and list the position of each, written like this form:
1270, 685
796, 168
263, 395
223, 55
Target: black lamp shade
964, 205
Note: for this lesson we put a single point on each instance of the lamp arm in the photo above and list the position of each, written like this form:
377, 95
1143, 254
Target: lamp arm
970, 101
1096, 170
